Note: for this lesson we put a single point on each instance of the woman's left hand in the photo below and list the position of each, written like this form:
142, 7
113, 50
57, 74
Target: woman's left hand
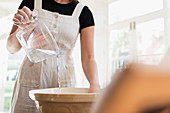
94, 89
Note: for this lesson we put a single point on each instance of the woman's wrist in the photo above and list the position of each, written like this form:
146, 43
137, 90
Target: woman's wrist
94, 84
94, 87
13, 44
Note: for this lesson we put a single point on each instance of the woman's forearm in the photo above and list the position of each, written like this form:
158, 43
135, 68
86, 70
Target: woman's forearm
13, 44
87, 58
90, 70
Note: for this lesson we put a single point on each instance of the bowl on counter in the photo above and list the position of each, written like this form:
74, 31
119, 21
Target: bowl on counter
63, 100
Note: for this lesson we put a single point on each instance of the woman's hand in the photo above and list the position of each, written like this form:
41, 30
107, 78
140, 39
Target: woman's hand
21, 19
94, 88
24, 17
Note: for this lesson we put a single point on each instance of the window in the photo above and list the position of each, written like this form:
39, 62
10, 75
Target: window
138, 31
150, 36
151, 41
119, 48
14, 63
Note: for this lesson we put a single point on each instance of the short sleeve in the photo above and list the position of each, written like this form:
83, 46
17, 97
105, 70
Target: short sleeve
27, 3
86, 18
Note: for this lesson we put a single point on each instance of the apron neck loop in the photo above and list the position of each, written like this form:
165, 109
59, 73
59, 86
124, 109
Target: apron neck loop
77, 10
37, 4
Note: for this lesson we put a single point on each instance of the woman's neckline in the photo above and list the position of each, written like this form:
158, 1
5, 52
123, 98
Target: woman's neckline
62, 3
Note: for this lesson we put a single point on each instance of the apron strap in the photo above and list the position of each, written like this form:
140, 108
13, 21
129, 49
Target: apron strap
78, 9
37, 4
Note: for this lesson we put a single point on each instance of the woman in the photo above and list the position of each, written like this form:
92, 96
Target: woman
65, 19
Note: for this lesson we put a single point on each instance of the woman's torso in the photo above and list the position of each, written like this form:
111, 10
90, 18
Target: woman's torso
65, 29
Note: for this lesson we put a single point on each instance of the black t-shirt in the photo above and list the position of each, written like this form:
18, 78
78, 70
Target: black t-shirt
86, 17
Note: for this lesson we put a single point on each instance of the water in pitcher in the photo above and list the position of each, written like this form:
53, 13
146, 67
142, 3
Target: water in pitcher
37, 41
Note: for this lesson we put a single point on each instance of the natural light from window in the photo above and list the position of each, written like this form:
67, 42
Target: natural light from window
124, 9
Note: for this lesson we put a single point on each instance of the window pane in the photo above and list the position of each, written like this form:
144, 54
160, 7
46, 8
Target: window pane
119, 48
153, 59
150, 36
14, 63
124, 9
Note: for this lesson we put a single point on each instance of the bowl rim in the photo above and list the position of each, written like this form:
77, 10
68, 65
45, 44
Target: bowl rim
35, 91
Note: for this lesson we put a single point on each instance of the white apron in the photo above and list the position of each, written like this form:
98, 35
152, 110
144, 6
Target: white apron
31, 76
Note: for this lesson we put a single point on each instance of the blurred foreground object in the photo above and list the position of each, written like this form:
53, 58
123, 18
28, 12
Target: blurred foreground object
138, 89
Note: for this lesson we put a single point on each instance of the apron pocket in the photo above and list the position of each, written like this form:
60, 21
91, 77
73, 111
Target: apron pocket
30, 74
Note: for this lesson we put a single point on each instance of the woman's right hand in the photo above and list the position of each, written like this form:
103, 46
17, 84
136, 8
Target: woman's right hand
21, 19
24, 17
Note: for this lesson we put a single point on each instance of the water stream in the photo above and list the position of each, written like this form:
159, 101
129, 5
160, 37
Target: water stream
39, 54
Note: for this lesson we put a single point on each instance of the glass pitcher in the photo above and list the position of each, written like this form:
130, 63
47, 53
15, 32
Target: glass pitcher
37, 41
